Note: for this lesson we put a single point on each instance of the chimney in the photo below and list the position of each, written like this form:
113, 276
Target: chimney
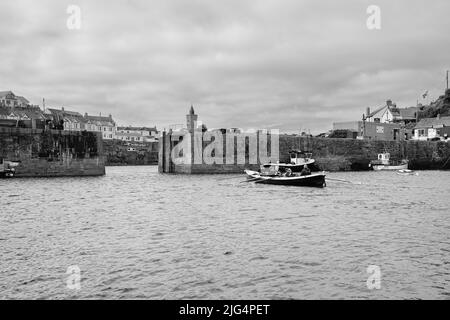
85, 114
62, 108
389, 103
367, 112
110, 116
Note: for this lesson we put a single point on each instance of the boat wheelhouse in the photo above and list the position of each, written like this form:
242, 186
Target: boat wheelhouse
297, 161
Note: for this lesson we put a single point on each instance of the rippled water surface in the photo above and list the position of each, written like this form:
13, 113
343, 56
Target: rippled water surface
137, 234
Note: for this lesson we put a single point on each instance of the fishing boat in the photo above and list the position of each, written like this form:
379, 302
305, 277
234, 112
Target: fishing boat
297, 161
293, 179
7, 169
384, 162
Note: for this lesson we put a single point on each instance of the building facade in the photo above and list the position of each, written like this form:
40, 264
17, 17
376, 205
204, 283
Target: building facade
105, 125
9, 99
66, 120
137, 134
375, 130
432, 128
389, 113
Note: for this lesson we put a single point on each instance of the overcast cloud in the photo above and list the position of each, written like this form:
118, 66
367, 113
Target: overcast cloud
286, 64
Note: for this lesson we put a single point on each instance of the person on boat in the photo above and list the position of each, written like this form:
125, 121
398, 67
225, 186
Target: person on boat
288, 172
305, 171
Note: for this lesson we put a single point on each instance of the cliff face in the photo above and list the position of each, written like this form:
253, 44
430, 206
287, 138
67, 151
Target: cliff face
119, 153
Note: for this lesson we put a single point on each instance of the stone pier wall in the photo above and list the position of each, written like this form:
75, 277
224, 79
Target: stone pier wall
52, 153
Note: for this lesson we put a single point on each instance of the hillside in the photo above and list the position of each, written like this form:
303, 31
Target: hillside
440, 106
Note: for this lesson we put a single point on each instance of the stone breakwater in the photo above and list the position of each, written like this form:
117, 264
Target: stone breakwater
52, 153
330, 154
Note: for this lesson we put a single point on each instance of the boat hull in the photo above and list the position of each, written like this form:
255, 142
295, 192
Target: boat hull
316, 180
390, 168
6, 174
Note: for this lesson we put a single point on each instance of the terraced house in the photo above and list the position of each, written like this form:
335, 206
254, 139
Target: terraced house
105, 125
74, 121
66, 119
137, 134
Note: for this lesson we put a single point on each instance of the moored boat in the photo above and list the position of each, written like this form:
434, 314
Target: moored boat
406, 172
7, 169
385, 163
297, 161
316, 180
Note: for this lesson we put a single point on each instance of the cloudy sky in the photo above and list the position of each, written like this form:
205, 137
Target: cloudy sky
286, 64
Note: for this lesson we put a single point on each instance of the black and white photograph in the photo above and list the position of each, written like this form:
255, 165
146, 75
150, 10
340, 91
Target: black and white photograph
245, 151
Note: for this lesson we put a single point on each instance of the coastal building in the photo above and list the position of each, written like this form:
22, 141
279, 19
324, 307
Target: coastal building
432, 128
22, 117
374, 130
137, 134
105, 125
9, 99
66, 119
390, 113
388, 123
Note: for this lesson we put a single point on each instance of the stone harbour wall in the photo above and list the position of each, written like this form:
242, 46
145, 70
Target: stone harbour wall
52, 153
120, 153
330, 154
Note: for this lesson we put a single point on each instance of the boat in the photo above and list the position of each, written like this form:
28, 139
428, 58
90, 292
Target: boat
407, 172
7, 169
312, 180
384, 162
297, 161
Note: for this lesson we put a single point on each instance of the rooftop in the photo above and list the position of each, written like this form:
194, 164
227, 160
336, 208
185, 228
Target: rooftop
434, 122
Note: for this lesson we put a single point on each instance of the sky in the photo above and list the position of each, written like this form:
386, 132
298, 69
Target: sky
284, 64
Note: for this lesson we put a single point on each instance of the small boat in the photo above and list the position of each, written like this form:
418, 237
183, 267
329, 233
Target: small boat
407, 172
7, 169
385, 163
312, 180
297, 160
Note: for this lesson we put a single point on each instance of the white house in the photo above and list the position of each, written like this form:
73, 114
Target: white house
432, 128
105, 125
391, 114
137, 134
